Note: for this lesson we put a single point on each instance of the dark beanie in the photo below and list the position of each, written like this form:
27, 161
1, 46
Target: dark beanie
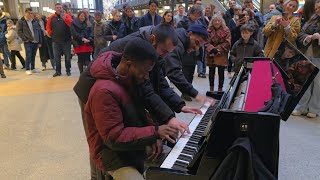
199, 29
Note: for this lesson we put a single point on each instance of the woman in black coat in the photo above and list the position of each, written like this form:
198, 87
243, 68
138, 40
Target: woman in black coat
82, 39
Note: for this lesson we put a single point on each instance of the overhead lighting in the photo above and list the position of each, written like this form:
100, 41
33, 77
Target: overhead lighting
1, 3
34, 4
160, 11
136, 11
166, 7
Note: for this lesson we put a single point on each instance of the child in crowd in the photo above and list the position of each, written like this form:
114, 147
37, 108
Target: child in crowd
246, 46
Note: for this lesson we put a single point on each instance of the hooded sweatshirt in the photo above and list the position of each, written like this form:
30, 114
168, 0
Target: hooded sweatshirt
118, 126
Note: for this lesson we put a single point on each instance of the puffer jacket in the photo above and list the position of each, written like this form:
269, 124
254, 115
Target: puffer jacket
80, 30
220, 39
118, 126
130, 25
13, 40
113, 28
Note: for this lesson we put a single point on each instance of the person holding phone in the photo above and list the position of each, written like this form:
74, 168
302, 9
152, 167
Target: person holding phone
280, 27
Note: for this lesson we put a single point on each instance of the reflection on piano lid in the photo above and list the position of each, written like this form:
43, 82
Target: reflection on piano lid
297, 71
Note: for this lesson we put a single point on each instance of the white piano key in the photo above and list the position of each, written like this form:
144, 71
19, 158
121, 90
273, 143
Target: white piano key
181, 143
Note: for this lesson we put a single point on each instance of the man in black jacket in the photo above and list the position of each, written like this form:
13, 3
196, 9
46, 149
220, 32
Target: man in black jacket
180, 63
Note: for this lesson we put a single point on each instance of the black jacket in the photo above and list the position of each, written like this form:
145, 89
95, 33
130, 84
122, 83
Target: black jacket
80, 30
242, 163
174, 62
146, 20
228, 16
24, 31
158, 97
130, 25
113, 28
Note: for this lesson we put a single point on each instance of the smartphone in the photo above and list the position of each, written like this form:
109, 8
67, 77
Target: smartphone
241, 16
285, 15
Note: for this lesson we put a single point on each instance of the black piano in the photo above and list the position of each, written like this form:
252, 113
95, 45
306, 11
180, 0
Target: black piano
238, 113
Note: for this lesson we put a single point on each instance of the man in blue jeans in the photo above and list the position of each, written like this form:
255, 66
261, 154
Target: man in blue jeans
58, 28
29, 31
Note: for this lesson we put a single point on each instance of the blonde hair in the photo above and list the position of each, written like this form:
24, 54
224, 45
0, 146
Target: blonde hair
219, 17
287, 2
9, 21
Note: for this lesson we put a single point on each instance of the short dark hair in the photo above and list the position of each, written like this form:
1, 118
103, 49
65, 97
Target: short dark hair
98, 13
57, 4
164, 31
139, 50
28, 10
195, 10
246, 27
153, 1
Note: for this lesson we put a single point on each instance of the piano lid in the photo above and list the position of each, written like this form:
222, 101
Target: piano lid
298, 72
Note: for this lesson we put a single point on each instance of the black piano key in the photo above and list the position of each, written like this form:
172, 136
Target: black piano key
181, 164
192, 144
194, 138
185, 158
189, 151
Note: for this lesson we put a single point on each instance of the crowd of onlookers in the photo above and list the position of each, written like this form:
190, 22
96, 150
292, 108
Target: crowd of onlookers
239, 32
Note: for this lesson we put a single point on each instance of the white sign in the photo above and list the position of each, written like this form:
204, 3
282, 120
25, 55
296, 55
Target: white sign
34, 4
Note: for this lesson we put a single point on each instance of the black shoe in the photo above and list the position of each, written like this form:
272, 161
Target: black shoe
186, 97
56, 74
68, 73
3, 76
13, 68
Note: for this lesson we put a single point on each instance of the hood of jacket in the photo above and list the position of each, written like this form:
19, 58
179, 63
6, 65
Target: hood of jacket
145, 32
183, 37
104, 68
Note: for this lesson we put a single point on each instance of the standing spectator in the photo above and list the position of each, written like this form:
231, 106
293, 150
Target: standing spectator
309, 37
113, 27
167, 18
208, 13
246, 46
252, 20
58, 28
130, 24
81, 31
272, 11
195, 12
151, 18
44, 49
177, 18
89, 17
14, 45
217, 48
230, 12
29, 31
234, 27
280, 27
1, 70
255, 13
69, 11
3, 41
99, 34
308, 9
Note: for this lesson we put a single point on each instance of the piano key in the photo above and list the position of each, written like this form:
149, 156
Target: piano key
185, 158
181, 163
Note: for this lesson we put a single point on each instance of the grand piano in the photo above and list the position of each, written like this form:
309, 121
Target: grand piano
239, 113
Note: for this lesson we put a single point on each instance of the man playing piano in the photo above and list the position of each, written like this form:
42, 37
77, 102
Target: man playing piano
119, 128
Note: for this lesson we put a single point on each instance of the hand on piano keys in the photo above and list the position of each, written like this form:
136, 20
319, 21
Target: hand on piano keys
179, 125
193, 110
168, 132
205, 100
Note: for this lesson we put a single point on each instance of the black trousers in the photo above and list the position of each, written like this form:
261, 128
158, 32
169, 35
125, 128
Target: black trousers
212, 72
188, 71
13, 55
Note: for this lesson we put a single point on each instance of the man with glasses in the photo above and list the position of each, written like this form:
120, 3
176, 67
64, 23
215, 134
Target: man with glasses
29, 31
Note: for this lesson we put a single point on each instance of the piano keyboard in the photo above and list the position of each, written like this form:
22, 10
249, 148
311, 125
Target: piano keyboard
187, 147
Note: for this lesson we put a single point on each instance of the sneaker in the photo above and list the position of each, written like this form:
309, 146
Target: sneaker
296, 113
28, 72
186, 97
35, 71
3, 76
56, 74
23, 67
229, 75
68, 73
311, 115
202, 75
44, 68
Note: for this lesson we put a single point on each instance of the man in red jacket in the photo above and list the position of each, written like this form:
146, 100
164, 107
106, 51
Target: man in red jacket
118, 126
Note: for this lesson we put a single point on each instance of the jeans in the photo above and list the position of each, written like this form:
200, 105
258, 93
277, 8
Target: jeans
201, 67
6, 54
13, 55
212, 71
58, 49
31, 51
